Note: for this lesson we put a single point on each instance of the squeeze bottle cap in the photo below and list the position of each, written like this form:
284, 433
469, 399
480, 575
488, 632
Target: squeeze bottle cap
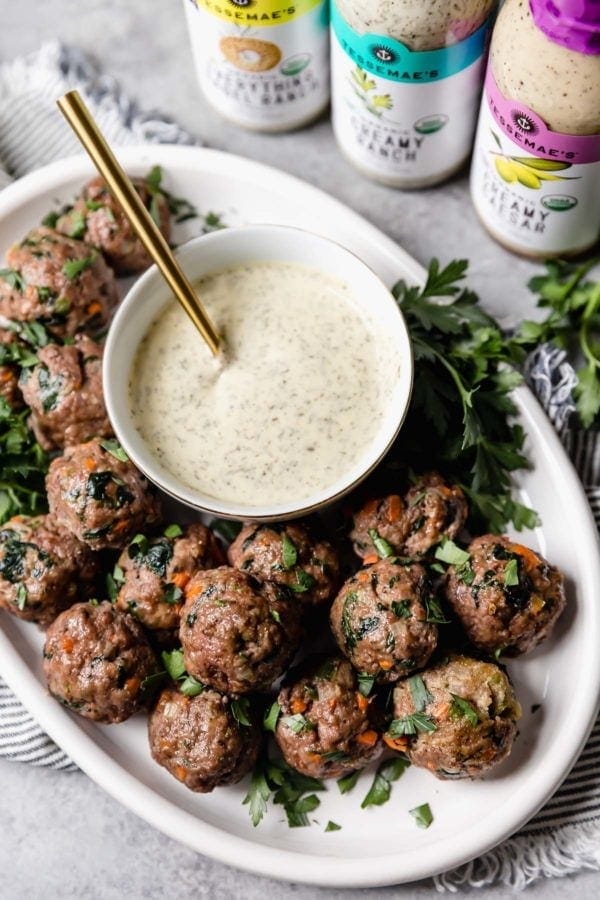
573, 23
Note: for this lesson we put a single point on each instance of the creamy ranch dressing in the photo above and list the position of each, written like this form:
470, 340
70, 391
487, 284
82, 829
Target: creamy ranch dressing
298, 402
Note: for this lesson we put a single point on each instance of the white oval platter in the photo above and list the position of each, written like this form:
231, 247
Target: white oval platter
377, 846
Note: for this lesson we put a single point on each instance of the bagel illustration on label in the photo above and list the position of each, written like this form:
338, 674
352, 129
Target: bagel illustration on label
250, 54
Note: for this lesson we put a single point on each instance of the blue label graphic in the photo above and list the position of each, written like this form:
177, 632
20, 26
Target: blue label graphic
387, 58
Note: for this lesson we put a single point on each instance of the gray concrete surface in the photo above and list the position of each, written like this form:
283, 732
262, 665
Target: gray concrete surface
61, 836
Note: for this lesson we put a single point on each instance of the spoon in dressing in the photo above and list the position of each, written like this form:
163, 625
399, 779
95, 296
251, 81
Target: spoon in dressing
81, 121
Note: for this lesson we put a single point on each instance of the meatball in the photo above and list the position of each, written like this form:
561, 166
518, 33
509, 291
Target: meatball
414, 523
467, 721
198, 740
98, 219
324, 729
153, 573
97, 494
64, 392
380, 620
288, 555
96, 659
64, 284
506, 597
434, 510
237, 635
42, 570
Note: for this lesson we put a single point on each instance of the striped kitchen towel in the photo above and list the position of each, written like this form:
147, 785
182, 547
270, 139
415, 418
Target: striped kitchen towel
565, 836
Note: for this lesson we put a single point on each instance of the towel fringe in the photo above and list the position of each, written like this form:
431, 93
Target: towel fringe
524, 859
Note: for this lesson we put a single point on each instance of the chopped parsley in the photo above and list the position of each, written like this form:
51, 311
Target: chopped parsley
172, 594
240, 708
304, 582
387, 772
422, 815
419, 693
271, 716
277, 781
173, 531
450, 553
21, 597
78, 225
414, 723
190, 687
333, 826
402, 608
434, 612
347, 782
74, 267
289, 554
365, 683
298, 723
228, 530
114, 448
461, 708
14, 279
511, 573
381, 545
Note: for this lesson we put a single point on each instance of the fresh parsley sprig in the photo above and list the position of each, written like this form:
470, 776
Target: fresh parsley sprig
460, 415
23, 466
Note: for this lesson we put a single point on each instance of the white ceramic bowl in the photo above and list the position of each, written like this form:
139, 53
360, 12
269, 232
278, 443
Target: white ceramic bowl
221, 250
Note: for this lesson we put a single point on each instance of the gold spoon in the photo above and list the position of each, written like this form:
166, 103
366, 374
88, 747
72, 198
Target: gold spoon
81, 121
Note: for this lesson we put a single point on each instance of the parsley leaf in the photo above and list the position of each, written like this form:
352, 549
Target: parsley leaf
23, 466
511, 573
333, 826
114, 448
383, 548
240, 707
289, 554
419, 693
422, 815
226, 529
271, 716
14, 279
450, 553
412, 724
74, 267
298, 723
462, 708
257, 796
173, 663
434, 612
347, 782
387, 772
173, 531
365, 683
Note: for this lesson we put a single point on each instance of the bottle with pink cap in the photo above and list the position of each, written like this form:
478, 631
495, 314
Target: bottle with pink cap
535, 177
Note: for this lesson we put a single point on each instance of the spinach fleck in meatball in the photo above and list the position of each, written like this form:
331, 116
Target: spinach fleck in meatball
380, 620
96, 660
97, 494
199, 741
237, 635
414, 523
153, 572
64, 284
97, 218
64, 393
42, 570
507, 597
288, 555
457, 719
324, 729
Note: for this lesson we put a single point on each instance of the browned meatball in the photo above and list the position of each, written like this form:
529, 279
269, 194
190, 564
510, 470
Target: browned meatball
64, 284
96, 659
380, 620
64, 392
237, 635
288, 555
434, 510
153, 573
98, 219
382, 518
42, 570
506, 597
97, 494
414, 523
324, 728
459, 718
198, 740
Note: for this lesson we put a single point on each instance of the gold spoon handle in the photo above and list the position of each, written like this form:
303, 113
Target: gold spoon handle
80, 119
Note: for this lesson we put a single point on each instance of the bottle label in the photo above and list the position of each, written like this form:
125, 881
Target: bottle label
533, 187
404, 114
262, 63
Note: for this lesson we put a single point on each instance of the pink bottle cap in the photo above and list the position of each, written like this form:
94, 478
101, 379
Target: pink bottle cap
573, 23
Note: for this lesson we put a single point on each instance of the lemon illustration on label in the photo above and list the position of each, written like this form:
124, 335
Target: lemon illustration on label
529, 171
293, 65
430, 124
250, 54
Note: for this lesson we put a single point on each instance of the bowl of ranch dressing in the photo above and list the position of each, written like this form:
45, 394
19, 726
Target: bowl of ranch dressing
311, 391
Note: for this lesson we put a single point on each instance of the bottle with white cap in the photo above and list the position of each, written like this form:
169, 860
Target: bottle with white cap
535, 178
